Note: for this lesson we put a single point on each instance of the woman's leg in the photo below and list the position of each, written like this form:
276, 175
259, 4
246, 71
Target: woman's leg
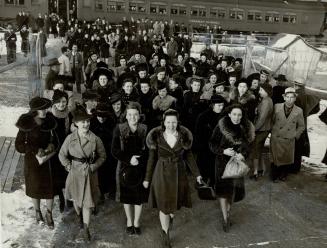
137, 215
49, 203
86, 219
38, 214
224, 207
129, 214
164, 221
36, 203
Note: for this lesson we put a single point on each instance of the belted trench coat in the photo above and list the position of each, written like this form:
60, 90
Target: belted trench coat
82, 180
166, 170
283, 134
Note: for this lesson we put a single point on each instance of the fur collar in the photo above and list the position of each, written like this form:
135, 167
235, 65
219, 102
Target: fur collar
231, 132
27, 122
186, 138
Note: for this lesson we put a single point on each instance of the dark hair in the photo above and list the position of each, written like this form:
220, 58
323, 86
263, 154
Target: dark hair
133, 105
230, 108
64, 49
170, 112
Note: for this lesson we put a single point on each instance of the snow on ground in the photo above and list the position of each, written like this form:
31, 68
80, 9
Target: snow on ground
18, 221
9, 116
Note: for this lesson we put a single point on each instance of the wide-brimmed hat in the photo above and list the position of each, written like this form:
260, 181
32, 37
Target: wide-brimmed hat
90, 95
53, 61
242, 80
102, 71
103, 110
130, 176
290, 90
252, 76
218, 99
39, 103
115, 97
80, 114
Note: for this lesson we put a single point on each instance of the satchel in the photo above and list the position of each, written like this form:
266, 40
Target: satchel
235, 168
205, 192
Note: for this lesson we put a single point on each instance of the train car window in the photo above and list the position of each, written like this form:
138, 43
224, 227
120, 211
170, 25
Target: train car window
182, 11
250, 16
141, 8
153, 9
194, 12
120, 6
98, 5
221, 13
132, 7
272, 17
213, 13
15, 2
174, 11
289, 19
162, 10
202, 12
236, 14
258, 16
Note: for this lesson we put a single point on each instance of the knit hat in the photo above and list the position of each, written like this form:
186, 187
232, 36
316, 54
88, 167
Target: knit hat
57, 95
268, 88
115, 97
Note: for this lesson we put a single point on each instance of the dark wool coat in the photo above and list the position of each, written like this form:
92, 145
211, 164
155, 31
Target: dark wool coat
227, 135
167, 172
82, 180
31, 137
133, 97
146, 104
107, 172
248, 101
125, 144
204, 127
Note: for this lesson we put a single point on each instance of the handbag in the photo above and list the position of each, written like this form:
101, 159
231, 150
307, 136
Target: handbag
205, 192
235, 168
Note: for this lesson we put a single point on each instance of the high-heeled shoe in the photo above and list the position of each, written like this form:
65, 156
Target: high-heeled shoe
48, 217
166, 239
38, 216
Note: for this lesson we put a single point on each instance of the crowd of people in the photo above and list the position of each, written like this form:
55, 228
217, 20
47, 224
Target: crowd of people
147, 118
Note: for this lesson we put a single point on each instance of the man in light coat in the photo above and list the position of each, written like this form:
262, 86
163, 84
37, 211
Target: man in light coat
287, 126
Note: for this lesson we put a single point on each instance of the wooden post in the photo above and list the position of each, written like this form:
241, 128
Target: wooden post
33, 68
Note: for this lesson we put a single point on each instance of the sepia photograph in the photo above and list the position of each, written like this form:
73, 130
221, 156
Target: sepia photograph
161, 123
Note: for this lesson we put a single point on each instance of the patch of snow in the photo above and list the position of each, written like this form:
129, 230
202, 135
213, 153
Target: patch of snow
11, 115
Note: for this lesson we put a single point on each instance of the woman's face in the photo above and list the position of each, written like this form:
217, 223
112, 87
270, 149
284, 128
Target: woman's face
254, 84
61, 105
262, 93
91, 104
236, 116
58, 86
128, 87
162, 62
196, 86
142, 74
242, 88
145, 88
172, 84
170, 123
232, 81
218, 107
213, 79
116, 106
161, 75
263, 77
103, 80
41, 113
220, 89
163, 92
132, 116
101, 119
83, 125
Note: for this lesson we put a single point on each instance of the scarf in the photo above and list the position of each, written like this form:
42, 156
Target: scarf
60, 115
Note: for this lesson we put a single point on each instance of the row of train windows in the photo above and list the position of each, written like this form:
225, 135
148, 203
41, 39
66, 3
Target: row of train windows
197, 12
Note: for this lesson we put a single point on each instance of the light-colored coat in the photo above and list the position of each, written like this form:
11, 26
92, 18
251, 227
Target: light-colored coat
82, 179
284, 132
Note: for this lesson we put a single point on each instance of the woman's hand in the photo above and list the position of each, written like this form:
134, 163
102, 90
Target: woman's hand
229, 152
146, 184
134, 160
199, 179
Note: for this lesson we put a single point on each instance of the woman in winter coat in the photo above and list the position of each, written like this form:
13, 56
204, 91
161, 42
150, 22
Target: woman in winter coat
102, 125
170, 147
62, 115
37, 139
204, 126
242, 95
262, 124
82, 154
231, 137
128, 147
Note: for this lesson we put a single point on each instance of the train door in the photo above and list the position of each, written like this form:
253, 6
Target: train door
65, 9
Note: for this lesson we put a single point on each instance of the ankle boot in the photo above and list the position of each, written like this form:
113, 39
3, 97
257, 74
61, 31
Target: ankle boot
87, 235
80, 220
48, 217
38, 216
61, 203
165, 239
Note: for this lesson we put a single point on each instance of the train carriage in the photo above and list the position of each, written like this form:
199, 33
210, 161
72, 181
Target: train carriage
298, 17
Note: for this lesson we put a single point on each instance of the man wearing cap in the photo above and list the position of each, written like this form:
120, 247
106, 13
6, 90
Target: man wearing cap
287, 127
279, 89
10, 38
76, 64
25, 46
